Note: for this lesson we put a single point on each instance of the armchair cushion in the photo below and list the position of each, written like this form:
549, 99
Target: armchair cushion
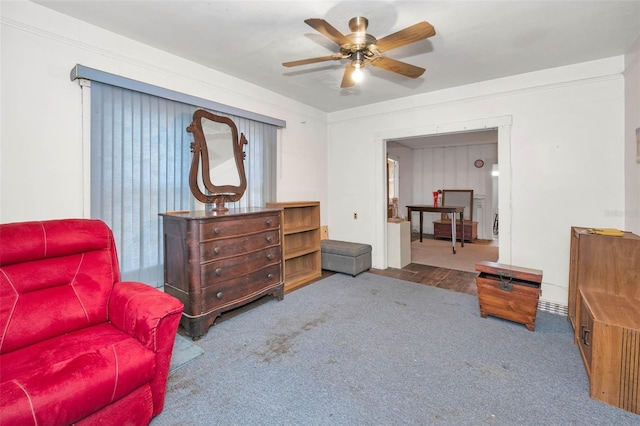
61, 380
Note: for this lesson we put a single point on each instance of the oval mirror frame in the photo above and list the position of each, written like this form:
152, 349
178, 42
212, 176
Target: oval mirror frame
205, 187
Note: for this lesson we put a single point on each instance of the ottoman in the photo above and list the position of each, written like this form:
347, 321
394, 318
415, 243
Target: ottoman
345, 257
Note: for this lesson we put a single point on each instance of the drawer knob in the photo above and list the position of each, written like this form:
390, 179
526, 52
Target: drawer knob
216, 250
219, 295
269, 239
270, 256
218, 271
216, 230
268, 222
270, 276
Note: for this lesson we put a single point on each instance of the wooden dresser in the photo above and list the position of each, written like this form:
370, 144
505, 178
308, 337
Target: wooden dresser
215, 262
604, 310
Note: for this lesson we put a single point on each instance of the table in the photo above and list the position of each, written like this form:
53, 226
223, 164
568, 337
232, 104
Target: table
443, 209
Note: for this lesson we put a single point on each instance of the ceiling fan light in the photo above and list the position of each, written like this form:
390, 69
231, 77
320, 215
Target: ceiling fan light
357, 74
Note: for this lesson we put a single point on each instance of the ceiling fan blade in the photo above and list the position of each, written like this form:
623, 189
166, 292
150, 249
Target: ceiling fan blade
347, 78
398, 67
411, 34
324, 28
312, 60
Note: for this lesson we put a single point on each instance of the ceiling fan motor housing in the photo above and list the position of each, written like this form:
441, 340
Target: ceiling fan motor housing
360, 41
358, 24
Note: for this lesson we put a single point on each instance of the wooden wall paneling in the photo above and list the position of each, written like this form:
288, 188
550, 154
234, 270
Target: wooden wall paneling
451, 167
461, 168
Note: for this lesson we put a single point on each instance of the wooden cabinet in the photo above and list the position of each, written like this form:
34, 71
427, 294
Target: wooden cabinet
604, 263
442, 229
301, 244
215, 262
604, 310
609, 341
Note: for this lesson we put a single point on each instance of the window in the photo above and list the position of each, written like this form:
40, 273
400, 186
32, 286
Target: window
392, 173
140, 159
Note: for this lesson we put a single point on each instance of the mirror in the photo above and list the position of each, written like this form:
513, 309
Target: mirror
217, 171
459, 197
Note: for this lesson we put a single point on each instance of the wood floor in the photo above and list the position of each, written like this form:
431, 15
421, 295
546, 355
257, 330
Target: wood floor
460, 281
450, 279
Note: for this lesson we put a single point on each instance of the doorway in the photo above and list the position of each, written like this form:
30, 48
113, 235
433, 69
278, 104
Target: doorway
503, 127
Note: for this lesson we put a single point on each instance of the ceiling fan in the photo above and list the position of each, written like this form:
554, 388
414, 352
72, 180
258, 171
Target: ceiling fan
364, 49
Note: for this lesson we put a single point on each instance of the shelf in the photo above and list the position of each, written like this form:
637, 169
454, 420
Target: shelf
300, 278
290, 254
299, 229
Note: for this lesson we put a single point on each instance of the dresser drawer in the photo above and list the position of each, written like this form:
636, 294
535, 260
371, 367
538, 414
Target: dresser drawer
237, 226
221, 293
221, 248
232, 267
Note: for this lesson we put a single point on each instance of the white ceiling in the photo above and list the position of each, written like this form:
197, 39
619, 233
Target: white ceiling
474, 41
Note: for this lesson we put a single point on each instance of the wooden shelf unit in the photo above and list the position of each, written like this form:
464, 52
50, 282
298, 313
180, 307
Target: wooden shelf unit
604, 311
301, 245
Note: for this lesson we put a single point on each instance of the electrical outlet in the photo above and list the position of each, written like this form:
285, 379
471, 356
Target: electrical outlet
355, 216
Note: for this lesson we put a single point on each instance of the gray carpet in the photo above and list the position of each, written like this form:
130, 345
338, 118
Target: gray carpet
373, 350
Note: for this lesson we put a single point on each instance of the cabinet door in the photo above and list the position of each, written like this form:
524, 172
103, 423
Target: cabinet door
585, 336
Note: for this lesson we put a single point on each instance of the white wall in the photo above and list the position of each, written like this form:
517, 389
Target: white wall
563, 158
632, 152
41, 155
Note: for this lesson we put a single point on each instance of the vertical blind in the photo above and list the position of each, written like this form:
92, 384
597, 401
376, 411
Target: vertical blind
140, 159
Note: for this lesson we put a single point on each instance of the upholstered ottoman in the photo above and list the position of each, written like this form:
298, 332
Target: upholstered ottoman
345, 257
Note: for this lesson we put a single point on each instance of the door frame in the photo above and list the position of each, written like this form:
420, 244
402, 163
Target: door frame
501, 123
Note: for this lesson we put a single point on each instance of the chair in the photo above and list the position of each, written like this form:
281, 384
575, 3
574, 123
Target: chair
77, 345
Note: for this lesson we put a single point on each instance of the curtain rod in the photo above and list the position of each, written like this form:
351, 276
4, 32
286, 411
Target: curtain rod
83, 72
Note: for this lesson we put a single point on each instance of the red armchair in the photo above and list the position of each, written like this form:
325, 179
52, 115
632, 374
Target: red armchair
76, 344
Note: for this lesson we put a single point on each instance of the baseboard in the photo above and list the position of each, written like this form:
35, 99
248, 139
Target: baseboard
554, 308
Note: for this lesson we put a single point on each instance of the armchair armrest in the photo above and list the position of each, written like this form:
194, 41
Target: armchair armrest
138, 309
152, 317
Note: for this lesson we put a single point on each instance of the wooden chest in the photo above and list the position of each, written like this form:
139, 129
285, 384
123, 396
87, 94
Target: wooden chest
509, 292
215, 262
442, 229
